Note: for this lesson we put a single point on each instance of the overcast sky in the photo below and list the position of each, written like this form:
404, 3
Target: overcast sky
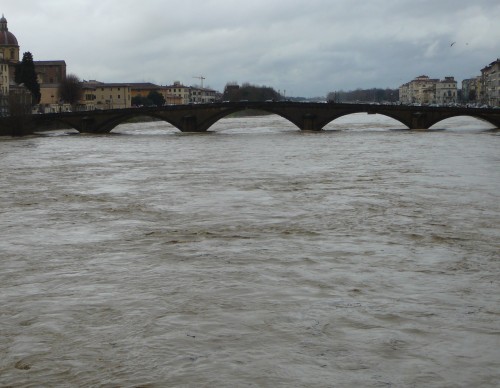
306, 47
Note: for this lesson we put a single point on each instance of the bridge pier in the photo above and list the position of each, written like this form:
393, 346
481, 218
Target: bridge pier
87, 125
419, 121
309, 122
189, 124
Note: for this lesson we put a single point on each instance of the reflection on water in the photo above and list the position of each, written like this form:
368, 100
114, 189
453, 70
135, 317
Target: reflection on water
255, 255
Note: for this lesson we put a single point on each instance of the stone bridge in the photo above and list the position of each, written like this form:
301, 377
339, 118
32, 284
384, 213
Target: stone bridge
200, 117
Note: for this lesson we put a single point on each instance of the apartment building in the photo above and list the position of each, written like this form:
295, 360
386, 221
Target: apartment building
142, 89
446, 91
490, 84
471, 89
190, 94
420, 90
202, 95
100, 95
425, 90
181, 92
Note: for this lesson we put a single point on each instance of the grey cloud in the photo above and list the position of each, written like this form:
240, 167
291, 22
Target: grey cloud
309, 47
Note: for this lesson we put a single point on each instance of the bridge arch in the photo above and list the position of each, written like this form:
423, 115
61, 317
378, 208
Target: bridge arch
214, 118
477, 118
116, 121
395, 122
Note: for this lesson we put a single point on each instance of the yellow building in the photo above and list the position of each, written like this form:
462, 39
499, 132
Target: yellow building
142, 89
425, 90
100, 95
179, 91
190, 94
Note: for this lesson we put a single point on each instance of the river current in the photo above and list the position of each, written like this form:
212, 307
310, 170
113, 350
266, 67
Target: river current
255, 255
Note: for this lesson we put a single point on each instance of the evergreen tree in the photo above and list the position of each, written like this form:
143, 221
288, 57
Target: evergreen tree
26, 74
156, 98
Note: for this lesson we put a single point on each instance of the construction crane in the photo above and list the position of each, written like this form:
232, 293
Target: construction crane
201, 78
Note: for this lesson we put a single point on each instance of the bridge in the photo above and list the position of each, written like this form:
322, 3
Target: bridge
200, 117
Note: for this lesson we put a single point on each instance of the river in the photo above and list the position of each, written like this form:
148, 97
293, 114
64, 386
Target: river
255, 255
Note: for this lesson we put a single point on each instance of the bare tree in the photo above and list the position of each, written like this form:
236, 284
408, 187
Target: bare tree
70, 90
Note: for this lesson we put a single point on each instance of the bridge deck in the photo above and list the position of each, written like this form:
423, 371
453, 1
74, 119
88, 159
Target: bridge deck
200, 117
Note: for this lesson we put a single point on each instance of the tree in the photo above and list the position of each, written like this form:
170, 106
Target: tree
156, 98
233, 92
25, 74
70, 90
365, 95
140, 101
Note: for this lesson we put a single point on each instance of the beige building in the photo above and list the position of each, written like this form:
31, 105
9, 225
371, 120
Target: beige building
181, 92
446, 91
202, 95
143, 89
490, 84
50, 101
425, 90
189, 94
50, 74
421, 90
100, 95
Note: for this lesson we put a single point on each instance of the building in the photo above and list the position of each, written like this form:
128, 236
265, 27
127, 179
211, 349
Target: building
50, 74
100, 95
180, 92
4, 86
9, 48
9, 57
425, 90
96, 95
471, 90
202, 95
420, 90
189, 94
446, 91
143, 89
490, 84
